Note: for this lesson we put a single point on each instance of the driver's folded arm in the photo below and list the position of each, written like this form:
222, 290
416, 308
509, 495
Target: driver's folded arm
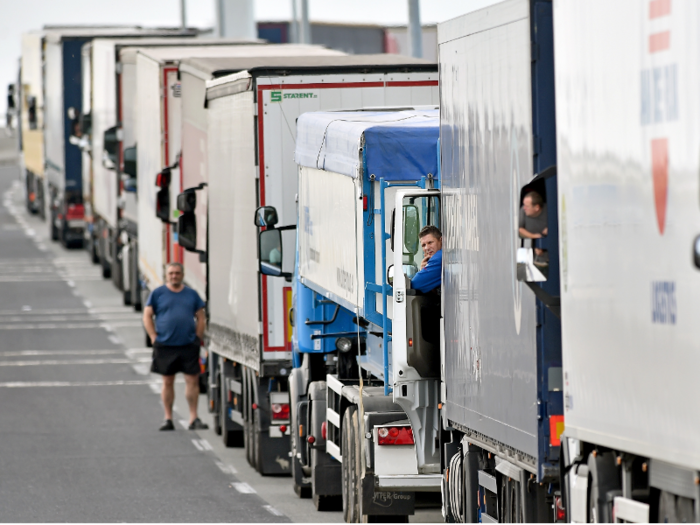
429, 277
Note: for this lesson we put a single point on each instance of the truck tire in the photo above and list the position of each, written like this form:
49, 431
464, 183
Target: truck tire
327, 503
54, 230
303, 492
126, 298
106, 269
351, 507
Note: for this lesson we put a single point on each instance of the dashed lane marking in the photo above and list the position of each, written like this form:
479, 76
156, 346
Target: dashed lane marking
243, 488
272, 510
226, 469
115, 339
198, 445
142, 369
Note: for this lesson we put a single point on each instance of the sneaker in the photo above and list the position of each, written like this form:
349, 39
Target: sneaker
198, 425
168, 425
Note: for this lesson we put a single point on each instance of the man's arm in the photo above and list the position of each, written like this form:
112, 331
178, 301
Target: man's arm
148, 323
527, 235
201, 323
429, 277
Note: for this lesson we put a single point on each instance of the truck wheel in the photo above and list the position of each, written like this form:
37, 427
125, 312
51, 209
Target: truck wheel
93, 251
328, 503
126, 298
231, 438
304, 492
349, 475
54, 230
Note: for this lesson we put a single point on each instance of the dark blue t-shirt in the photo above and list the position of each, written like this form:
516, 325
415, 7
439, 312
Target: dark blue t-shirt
174, 311
429, 277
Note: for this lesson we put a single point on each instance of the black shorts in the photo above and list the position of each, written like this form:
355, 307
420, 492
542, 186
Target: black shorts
169, 360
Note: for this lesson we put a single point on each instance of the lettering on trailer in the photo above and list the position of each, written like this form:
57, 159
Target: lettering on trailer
663, 302
176, 89
659, 100
386, 499
278, 96
345, 280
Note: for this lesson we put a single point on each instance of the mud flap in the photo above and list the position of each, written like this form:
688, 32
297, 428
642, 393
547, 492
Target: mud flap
385, 503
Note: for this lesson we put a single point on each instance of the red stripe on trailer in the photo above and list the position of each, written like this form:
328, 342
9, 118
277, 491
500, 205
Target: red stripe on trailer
659, 41
261, 161
166, 152
409, 83
659, 8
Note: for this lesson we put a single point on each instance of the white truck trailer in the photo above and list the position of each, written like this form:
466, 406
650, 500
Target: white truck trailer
627, 170
251, 134
31, 104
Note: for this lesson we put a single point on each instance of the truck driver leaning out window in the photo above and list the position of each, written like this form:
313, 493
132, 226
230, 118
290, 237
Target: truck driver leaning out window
429, 277
533, 224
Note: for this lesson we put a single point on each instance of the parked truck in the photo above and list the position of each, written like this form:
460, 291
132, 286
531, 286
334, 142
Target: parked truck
502, 399
365, 386
251, 135
627, 175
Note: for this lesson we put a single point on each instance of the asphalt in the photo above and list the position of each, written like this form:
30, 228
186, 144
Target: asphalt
79, 410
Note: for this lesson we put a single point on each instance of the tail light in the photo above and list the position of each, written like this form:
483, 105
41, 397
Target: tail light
402, 435
280, 410
323, 430
559, 506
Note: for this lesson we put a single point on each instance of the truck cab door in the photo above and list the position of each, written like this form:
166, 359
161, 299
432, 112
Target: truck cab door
416, 321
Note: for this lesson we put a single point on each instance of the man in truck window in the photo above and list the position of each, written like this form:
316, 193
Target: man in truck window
176, 333
533, 217
430, 275
533, 224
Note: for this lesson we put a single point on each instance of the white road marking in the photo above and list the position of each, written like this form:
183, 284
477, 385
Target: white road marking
206, 444
272, 510
183, 423
155, 388
131, 352
115, 339
70, 283
198, 445
26, 308
226, 469
142, 370
87, 304
74, 362
243, 488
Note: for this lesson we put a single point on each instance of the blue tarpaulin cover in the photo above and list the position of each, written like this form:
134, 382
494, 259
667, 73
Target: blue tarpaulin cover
399, 145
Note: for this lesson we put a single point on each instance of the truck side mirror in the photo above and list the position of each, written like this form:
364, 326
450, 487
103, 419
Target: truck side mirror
187, 230
411, 229
130, 161
270, 252
390, 275
527, 270
110, 144
187, 201
266, 216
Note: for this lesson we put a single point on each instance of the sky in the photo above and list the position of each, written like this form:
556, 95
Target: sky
19, 16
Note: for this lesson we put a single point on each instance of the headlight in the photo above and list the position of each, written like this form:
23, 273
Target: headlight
343, 344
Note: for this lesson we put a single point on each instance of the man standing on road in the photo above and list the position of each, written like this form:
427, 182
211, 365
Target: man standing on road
176, 339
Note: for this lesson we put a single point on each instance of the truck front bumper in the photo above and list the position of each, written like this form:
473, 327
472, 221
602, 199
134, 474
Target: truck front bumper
409, 482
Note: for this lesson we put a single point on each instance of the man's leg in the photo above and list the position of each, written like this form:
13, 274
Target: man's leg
192, 394
167, 394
